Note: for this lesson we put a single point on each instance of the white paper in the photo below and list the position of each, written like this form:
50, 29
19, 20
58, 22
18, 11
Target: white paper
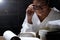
29, 38
8, 35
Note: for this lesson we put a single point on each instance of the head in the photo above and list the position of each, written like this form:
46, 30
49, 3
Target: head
41, 5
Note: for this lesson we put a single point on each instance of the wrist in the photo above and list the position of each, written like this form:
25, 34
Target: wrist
30, 22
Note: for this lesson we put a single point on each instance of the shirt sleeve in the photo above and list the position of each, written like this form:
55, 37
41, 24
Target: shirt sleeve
26, 27
53, 25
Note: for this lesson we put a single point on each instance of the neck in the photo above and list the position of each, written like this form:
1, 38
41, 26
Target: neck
44, 15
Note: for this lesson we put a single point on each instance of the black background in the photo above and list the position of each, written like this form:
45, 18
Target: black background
12, 14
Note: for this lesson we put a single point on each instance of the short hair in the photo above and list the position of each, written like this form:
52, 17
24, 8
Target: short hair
48, 2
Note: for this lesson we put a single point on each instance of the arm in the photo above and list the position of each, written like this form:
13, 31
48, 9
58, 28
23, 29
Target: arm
30, 13
27, 24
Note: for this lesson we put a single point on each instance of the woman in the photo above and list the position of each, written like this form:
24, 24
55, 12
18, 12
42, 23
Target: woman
37, 15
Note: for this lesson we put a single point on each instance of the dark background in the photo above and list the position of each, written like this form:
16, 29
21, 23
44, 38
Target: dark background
12, 14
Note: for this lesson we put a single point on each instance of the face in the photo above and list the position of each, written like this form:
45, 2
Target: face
41, 6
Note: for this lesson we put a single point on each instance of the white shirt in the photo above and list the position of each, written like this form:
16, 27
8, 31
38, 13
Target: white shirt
37, 24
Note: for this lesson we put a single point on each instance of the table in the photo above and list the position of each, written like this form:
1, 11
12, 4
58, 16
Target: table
29, 38
1, 38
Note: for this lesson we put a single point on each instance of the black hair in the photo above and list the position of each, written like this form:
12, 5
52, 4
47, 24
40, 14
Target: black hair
57, 4
54, 3
50, 3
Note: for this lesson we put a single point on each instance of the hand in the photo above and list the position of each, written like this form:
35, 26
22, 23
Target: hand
30, 12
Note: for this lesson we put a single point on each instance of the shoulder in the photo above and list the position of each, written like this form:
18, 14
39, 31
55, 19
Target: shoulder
56, 11
55, 14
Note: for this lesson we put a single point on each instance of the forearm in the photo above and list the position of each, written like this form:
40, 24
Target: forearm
29, 19
30, 12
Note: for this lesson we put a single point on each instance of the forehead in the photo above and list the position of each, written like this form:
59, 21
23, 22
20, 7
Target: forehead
39, 1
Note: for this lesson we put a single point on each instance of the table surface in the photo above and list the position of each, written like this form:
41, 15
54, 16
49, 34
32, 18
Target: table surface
29, 38
23, 38
1, 38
